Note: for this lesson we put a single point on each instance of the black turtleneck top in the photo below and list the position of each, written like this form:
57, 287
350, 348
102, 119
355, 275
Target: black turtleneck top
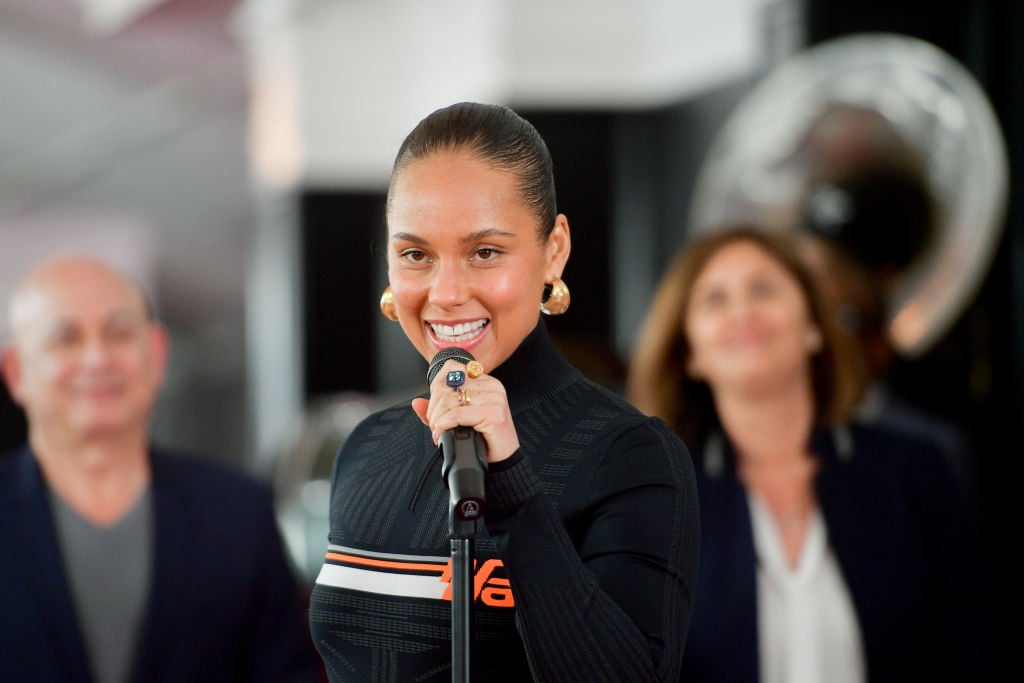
585, 565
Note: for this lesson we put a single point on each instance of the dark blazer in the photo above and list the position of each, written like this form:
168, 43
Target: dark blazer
224, 604
903, 538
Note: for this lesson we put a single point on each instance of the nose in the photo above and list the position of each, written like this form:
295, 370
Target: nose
741, 307
450, 285
95, 350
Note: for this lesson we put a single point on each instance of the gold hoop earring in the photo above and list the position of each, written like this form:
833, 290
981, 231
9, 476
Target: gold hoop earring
556, 298
387, 304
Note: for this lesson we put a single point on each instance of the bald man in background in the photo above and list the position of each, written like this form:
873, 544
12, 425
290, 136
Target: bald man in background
123, 562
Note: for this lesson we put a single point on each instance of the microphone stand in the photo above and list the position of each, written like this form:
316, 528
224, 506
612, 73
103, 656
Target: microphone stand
463, 469
464, 456
463, 534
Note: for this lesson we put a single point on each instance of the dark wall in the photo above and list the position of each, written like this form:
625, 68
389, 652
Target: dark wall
342, 236
580, 145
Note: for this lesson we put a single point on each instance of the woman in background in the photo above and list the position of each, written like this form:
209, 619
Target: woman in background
831, 551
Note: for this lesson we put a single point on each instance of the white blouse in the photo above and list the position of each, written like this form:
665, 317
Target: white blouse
807, 627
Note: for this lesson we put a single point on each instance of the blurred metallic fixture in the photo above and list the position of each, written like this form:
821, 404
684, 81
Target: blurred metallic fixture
758, 167
302, 474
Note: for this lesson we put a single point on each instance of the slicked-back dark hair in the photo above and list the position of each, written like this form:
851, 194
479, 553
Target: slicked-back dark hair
502, 138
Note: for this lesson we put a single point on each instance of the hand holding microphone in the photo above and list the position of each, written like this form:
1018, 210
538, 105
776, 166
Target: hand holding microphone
487, 411
464, 451
469, 416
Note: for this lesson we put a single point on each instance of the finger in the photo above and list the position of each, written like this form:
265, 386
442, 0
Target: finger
474, 369
443, 380
454, 415
446, 384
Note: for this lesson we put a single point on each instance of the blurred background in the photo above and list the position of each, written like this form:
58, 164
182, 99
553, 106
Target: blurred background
234, 155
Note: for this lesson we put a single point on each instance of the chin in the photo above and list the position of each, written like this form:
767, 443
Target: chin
103, 424
102, 428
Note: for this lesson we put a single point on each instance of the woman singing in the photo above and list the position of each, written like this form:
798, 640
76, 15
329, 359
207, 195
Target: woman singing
585, 565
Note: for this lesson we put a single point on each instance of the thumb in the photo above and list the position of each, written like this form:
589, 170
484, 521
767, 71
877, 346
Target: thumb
419, 406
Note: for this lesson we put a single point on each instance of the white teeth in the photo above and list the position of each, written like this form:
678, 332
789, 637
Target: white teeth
460, 332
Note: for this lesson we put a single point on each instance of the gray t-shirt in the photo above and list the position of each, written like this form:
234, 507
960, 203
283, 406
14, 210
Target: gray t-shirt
108, 570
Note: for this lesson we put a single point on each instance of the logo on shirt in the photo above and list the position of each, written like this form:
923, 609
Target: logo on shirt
413, 576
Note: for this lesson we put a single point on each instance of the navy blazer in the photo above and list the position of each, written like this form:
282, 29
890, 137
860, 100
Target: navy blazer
224, 604
904, 541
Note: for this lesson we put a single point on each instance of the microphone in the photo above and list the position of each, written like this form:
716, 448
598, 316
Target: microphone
464, 451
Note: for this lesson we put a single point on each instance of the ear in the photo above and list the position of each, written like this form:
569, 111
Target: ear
10, 366
813, 340
160, 349
558, 246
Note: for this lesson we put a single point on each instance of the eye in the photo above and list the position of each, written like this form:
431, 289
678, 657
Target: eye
413, 256
121, 331
63, 337
763, 289
712, 299
488, 252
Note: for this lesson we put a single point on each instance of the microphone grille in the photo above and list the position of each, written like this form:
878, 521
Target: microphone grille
452, 352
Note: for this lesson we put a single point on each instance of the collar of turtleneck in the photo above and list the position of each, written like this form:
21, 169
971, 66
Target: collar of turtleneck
535, 371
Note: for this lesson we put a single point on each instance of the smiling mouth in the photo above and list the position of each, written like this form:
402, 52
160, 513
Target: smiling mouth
457, 333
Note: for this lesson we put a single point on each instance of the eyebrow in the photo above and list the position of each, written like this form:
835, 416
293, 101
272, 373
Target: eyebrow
125, 314
471, 237
116, 316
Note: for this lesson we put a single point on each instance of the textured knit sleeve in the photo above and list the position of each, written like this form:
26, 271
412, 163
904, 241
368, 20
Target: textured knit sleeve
606, 594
